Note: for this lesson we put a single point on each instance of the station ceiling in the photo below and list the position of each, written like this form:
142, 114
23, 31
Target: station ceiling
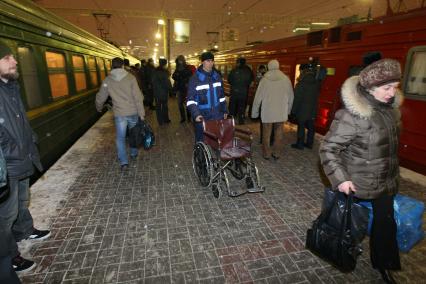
132, 24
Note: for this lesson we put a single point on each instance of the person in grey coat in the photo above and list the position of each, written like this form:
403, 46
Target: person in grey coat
162, 87
274, 96
359, 153
305, 103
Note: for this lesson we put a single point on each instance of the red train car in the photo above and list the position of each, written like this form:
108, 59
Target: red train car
339, 50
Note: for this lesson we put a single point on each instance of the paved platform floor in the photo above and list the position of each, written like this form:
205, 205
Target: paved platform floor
155, 224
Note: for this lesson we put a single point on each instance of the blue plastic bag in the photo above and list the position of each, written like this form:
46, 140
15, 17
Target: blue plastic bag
408, 217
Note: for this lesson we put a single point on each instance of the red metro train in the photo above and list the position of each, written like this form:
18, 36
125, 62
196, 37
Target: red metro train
339, 50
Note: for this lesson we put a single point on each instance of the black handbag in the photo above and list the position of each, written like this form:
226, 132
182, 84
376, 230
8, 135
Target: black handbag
141, 135
332, 240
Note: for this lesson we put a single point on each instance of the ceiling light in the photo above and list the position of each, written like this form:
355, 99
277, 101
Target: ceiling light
301, 29
155, 49
320, 24
130, 41
156, 44
204, 50
161, 22
216, 46
158, 35
196, 53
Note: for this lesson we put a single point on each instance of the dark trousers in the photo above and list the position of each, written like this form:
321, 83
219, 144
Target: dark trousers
199, 132
384, 250
162, 111
7, 273
148, 97
181, 99
237, 107
310, 126
16, 222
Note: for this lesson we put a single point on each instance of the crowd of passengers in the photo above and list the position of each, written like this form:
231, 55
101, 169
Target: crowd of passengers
363, 137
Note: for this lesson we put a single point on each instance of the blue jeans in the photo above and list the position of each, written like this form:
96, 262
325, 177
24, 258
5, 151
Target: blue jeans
121, 125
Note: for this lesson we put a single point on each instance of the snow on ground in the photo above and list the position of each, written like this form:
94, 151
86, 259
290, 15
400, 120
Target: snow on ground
52, 188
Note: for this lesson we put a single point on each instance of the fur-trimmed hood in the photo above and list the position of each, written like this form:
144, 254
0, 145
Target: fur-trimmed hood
356, 103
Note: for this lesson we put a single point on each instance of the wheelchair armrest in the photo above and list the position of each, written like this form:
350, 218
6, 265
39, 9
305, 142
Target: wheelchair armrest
246, 132
211, 135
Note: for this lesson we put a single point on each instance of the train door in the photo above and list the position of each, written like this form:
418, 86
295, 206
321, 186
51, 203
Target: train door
413, 136
329, 100
29, 76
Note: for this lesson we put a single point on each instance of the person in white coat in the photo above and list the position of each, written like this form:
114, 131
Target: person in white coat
274, 96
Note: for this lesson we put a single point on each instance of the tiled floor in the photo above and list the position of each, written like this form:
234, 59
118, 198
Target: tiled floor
155, 224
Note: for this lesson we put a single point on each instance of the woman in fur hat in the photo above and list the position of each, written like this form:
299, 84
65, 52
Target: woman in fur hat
360, 153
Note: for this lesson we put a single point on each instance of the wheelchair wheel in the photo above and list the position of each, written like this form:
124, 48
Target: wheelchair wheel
220, 186
202, 163
238, 168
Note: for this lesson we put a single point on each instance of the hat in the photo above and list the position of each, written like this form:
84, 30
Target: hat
379, 73
273, 65
241, 61
4, 50
206, 56
162, 61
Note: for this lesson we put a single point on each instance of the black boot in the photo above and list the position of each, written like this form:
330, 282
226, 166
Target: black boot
387, 276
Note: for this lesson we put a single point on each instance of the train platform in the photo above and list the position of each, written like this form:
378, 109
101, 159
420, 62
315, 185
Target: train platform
154, 223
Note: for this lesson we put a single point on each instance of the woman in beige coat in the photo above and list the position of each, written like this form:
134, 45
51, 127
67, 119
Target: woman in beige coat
360, 153
274, 96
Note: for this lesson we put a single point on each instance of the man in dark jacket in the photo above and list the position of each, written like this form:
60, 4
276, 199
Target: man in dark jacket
162, 87
181, 77
206, 99
17, 141
147, 91
305, 103
240, 79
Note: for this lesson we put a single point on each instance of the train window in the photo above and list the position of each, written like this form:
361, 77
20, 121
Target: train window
29, 77
79, 74
93, 72
354, 36
108, 65
101, 67
57, 75
334, 35
416, 79
315, 38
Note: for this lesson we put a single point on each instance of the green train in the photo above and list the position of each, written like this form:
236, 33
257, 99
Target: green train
61, 67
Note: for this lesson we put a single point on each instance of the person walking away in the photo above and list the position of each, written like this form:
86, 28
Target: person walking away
305, 103
147, 84
181, 78
359, 153
239, 79
127, 105
274, 96
161, 87
18, 144
206, 99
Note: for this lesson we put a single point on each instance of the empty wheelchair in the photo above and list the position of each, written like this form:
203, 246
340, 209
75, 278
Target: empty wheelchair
225, 149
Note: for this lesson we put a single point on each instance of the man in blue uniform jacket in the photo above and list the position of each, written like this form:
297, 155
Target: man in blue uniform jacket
206, 99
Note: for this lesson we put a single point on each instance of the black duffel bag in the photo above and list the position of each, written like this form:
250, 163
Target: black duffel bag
141, 135
332, 236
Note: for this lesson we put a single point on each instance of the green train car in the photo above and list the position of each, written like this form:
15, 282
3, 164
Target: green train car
61, 67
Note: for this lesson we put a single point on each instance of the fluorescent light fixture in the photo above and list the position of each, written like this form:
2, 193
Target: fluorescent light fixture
320, 24
301, 29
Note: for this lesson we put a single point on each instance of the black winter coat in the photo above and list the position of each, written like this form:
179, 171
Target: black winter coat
181, 77
306, 95
161, 84
17, 139
240, 79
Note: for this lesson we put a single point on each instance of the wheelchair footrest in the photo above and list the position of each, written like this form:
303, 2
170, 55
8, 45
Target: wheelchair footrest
254, 189
234, 193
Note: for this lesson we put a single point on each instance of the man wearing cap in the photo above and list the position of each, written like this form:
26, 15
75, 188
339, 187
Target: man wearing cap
206, 99
360, 153
162, 87
239, 79
127, 105
17, 141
